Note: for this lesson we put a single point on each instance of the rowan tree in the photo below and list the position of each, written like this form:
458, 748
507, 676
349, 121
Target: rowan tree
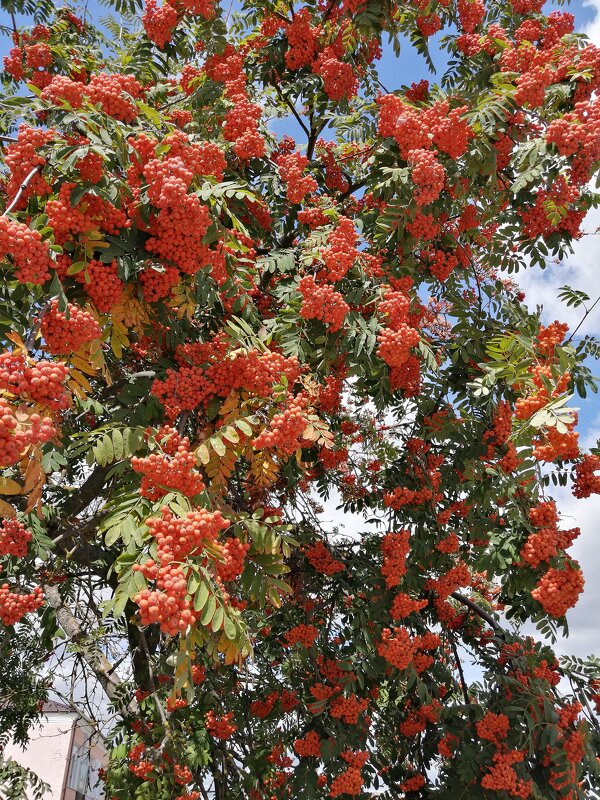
209, 329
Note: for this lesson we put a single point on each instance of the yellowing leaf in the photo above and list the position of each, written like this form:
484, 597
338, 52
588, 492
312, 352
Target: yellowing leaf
6, 510
16, 339
219, 446
8, 486
77, 376
203, 454
80, 363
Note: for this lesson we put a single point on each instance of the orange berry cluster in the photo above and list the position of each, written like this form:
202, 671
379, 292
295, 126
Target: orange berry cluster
178, 537
423, 226
417, 719
395, 549
394, 308
159, 22
220, 727
179, 226
262, 708
493, 727
576, 134
241, 121
14, 538
158, 284
234, 552
89, 213
91, 168
189, 386
586, 482
14, 606
182, 774
185, 388
302, 40
441, 263
449, 544
115, 94
16, 435
535, 220
21, 158
309, 746
502, 776
395, 345
420, 129
555, 445
140, 766
348, 782
428, 175
429, 24
340, 253
319, 557
29, 253
339, 79
39, 381
404, 605
322, 302
66, 331
413, 784
302, 634
448, 582
62, 88
286, 428
348, 708
169, 605
470, 14
548, 540
291, 170
558, 589
397, 647
174, 468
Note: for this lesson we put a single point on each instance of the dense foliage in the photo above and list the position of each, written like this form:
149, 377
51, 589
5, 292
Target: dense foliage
209, 329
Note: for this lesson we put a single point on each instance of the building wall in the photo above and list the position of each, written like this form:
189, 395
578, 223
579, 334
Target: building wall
84, 739
52, 751
47, 753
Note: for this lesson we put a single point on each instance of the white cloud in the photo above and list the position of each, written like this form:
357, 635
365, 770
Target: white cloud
592, 29
580, 271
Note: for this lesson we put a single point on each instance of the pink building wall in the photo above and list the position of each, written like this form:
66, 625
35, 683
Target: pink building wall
51, 749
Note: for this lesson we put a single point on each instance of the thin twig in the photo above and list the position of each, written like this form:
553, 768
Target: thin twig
22, 188
588, 311
290, 105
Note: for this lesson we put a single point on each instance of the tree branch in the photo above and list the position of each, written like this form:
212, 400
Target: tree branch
463, 683
22, 187
93, 656
477, 609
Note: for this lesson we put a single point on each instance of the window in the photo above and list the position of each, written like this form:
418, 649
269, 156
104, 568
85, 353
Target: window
83, 775
80, 764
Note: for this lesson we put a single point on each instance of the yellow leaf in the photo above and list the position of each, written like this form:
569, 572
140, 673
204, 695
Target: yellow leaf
81, 380
115, 345
8, 486
6, 510
80, 363
16, 339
